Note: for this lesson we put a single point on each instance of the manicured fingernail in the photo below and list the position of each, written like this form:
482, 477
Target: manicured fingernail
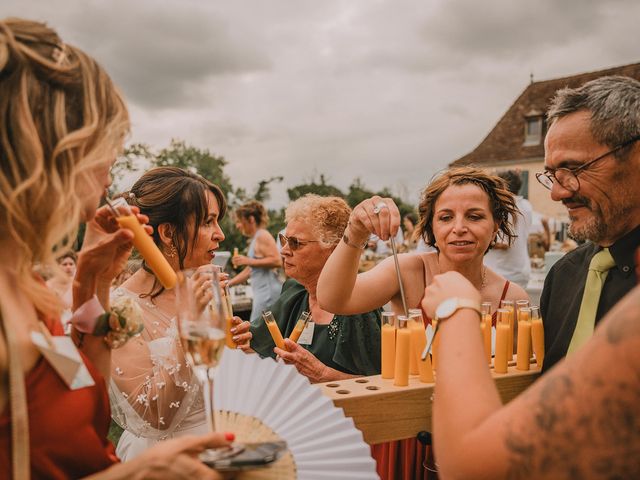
229, 437
235, 338
234, 330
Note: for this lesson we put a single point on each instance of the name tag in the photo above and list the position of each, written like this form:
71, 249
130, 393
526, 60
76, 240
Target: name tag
306, 338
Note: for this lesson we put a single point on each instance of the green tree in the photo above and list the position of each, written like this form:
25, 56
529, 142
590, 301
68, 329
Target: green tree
357, 193
322, 188
182, 155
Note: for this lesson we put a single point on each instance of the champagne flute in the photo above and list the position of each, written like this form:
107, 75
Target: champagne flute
201, 325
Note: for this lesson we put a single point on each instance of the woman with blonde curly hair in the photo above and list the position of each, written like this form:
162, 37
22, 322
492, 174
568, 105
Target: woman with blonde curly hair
63, 122
461, 212
340, 346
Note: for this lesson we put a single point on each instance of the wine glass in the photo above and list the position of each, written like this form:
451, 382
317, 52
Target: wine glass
201, 325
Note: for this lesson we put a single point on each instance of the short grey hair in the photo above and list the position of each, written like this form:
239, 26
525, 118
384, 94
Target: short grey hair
614, 104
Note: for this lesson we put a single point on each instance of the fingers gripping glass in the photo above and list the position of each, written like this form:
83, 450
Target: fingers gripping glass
568, 177
201, 326
293, 242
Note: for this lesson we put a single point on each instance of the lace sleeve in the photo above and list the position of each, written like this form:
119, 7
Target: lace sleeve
152, 387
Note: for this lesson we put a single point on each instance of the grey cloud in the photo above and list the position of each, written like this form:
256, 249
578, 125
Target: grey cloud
160, 53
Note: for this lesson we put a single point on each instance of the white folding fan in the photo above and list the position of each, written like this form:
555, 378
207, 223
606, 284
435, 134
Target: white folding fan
263, 400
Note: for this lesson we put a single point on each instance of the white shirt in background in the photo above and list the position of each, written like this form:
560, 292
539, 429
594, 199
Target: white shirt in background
514, 263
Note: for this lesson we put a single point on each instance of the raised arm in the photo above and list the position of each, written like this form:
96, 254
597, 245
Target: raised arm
578, 421
340, 289
266, 253
104, 254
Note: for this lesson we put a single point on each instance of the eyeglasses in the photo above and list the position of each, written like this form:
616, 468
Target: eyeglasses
293, 242
568, 177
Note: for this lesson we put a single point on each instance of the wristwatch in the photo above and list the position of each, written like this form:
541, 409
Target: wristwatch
451, 305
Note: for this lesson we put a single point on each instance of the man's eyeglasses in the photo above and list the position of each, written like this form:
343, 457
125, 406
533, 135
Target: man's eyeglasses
293, 242
568, 177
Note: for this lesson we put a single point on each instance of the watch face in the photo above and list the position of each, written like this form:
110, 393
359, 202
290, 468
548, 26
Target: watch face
447, 308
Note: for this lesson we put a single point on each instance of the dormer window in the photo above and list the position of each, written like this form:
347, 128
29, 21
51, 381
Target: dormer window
533, 128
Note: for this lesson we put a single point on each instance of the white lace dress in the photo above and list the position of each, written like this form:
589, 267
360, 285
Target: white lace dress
154, 393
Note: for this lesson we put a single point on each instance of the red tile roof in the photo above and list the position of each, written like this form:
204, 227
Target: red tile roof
505, 141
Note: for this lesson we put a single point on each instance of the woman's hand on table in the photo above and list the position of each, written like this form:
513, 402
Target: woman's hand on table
376, 215
305, 362
444, 286
241, 334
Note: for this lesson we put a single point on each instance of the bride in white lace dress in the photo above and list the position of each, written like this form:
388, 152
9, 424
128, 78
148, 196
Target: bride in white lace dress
154, 393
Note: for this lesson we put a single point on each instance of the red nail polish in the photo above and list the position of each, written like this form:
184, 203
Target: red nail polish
229, 437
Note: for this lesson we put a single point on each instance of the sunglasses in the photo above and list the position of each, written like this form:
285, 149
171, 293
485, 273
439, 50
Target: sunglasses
293, 242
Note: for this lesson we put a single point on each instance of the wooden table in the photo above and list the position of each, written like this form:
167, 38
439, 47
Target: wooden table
384, 412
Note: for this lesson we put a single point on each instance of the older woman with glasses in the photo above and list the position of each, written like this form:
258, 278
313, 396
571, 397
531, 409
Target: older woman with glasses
333, 346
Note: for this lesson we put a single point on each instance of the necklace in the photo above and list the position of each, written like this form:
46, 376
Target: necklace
484, 277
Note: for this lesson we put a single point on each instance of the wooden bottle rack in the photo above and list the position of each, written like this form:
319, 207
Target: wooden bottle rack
384, 412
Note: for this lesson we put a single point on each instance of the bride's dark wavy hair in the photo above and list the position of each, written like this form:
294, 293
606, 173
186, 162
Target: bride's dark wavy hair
174, 196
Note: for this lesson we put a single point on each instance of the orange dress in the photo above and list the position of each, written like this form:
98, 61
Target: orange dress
67, 428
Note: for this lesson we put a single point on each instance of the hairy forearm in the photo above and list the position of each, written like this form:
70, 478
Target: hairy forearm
580, 420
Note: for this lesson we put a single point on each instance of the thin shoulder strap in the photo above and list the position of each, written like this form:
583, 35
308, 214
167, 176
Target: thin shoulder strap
18, 405
504, 290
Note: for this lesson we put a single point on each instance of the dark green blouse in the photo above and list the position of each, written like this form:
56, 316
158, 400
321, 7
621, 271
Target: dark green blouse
350, 343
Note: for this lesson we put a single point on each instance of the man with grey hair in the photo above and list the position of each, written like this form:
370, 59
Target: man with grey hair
592, 166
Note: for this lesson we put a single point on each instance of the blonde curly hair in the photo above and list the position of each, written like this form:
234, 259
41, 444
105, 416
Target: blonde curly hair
62, 118
327, 216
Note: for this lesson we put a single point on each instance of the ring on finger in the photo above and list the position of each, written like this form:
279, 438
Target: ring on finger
378, 207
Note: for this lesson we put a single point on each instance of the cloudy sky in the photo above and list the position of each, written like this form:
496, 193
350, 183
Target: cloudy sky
386, 90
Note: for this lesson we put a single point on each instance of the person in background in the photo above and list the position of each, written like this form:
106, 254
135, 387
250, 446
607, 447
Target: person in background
592, 166
339, 346
539, 235
409, 223
261, 259
62, 284
63, 122
184, 210
512, 261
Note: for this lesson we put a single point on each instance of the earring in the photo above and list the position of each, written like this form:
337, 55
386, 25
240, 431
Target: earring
173, 251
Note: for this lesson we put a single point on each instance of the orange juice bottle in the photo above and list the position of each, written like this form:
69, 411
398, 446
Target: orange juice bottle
403, 351
485, 327
227, 307
510, 306
537, 335
300, 326
418, 344
273, 329
502, 341
435, 345
524, 339
388, 344
144, 243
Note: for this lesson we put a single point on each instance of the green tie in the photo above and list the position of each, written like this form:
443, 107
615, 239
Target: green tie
598, 270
